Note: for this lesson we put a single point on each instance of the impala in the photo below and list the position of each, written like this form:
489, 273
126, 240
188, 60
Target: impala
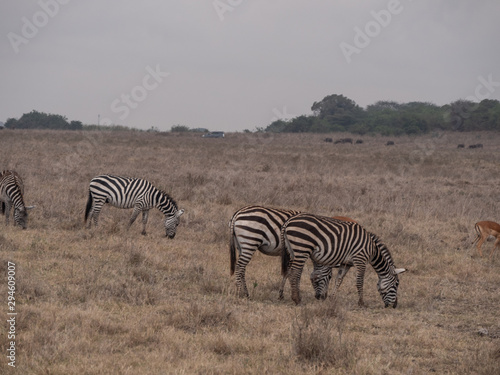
484, 229
345, 218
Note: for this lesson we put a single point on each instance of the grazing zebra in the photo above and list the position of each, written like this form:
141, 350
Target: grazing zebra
125, 192
321, 275
320, 280
331, 242
255, 228
11, 194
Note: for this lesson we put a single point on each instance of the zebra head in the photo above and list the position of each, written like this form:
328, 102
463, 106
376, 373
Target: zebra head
388, 287
320, 280
21, 215
171, 223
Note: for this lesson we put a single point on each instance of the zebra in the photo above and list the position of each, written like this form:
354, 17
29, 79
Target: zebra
11, 194
136, 193
255, 228
320, 277
331, 242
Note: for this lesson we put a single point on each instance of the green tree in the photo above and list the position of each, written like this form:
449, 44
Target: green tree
484, 116
300, 124
340, 111
76, 125
457, 113
179, 129
335, 105
40, 120
10, 123
277, 126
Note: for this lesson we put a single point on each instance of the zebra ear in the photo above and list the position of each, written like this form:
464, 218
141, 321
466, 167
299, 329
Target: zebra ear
399, 270
179, 213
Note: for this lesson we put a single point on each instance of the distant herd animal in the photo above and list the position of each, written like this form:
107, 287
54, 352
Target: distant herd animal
329, 242
477, 145
388, 143
343, 141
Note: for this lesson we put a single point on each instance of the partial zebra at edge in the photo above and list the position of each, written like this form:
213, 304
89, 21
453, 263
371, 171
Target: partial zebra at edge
12, 195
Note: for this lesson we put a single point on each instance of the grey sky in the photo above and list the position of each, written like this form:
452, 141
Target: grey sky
239, 64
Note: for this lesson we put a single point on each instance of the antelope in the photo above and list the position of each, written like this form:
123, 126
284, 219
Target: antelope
344, 218
484, 229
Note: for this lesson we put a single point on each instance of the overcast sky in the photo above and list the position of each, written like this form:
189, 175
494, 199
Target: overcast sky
239, 64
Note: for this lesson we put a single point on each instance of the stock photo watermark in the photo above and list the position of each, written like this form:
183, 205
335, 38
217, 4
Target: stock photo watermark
31, 26
462, 110
223, 6
363, 36
11, 314
139, 93
282, 115
484, 89
121, 106
456, 115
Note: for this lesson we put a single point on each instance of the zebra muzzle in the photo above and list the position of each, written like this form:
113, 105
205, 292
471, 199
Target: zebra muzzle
320, 296
394, 304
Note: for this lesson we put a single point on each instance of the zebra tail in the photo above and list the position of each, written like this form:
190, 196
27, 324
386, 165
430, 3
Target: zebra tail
232, 252
89, 207
285, 261
232, 248
285, 255
3, 208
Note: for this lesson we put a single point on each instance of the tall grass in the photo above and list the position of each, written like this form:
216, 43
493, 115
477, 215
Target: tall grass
108, 300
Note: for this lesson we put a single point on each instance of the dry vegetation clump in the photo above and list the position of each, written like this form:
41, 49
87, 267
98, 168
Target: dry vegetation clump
318, 338
108, 300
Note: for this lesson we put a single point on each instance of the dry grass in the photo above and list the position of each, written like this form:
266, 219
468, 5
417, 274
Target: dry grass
108, 300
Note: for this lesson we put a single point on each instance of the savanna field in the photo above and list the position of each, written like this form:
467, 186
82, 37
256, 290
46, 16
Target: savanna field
108, 300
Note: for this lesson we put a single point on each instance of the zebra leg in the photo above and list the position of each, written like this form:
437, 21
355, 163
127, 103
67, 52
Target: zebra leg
8, 206
94, 212
91, 218
282, 287
241, 264
360, 277
136, 213
145, 214
344, 268
294, 273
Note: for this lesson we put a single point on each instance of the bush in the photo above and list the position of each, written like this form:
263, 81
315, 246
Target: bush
317, 338
179, 129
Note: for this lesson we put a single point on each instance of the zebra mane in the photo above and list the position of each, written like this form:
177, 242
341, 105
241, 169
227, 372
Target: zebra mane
382, 249
172, 200
18, 181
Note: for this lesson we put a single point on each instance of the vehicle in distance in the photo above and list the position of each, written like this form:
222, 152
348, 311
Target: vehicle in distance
213, 135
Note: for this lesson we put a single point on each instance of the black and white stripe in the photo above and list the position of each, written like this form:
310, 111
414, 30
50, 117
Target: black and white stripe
11, 195
136, 193
331, 242
255, 228
321, 276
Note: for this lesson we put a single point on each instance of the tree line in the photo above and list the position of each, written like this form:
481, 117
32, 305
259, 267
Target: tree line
337, 113
40, 120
